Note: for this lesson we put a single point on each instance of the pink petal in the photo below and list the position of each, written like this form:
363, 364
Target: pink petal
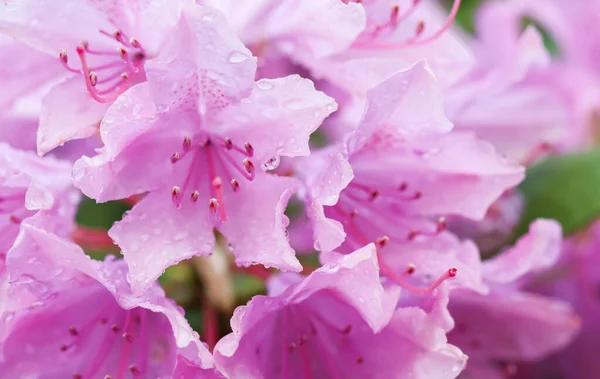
155, 235
68, 112
255, 226
278, 117
538, 250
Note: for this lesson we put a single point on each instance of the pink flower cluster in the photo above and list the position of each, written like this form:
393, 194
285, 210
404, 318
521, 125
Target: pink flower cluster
401, 137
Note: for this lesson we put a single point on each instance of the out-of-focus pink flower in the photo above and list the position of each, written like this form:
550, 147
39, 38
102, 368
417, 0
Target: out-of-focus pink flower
512, 96
65, 315
339, 322
34, 187
102, 46
511, 325
200, 136
401, 168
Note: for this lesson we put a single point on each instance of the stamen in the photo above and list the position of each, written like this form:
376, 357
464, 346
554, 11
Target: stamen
249, 166
176, 196
249, 149
391, 274
235, 185
228, 143
73, 331
93, 79
440, 227
175, 157
194, 196
134, 370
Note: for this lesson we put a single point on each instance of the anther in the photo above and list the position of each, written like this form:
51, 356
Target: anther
248, 165
452, 272
292, 346
93, 78
217, 183
64, 57
118, 35
175, 157
114, 328
213, 205
127, 337
63, 348
373, 194
249, 149
403, 187
73, 331
441, 225
176, 195
420, 28
354, 213
103, 321
77, 376
382, 241
108, 377
123, 54
347, 329
360, 360
187, 143
410, 269
194, 196
124, 76
85, 44
134, 43
134, 370
394, 14
235, 185
228, 144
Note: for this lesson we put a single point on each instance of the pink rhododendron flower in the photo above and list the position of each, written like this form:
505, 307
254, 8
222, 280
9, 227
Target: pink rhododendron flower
103, 47
519, 325
65, 315
34, 187
200, 136
338, 322
401, 167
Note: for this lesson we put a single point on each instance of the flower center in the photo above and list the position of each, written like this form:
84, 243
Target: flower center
223, 160
106, 73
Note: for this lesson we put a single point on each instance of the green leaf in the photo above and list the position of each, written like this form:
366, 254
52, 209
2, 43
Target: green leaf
565, 188
100, 215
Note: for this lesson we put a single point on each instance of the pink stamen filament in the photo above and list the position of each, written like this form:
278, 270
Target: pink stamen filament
127, 341
303, 352
414, 41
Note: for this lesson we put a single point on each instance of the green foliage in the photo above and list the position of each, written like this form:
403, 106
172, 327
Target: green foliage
565, 188
100, 215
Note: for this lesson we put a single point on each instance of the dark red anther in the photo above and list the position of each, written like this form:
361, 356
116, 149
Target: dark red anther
123, 54
63, 348
410, 269
452, 272
127, 337
93, 78
360, 360
194, 196
73, 331
418, 195
292, 346
354, 213
134, 370
249, 149
176, 195
63, 57
248, 165
77, 376
175, 157
394, 14
228, 144
213, 205
108, 377
124, 76
382, 241
373, 194
187, 143
103, 321
134, 43
235, 185
114, 328
118, 35
347, 329
441, 225
420, 28
403, 187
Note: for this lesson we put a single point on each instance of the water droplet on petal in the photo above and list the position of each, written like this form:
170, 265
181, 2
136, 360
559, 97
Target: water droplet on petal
238, 57
271, 163
264, 84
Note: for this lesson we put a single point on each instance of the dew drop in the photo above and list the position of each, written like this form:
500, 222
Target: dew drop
144, 237
238, 57
180, 236
264, 84
271, 163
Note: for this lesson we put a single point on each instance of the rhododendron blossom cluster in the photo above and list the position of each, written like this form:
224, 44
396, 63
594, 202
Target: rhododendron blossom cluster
315, 189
